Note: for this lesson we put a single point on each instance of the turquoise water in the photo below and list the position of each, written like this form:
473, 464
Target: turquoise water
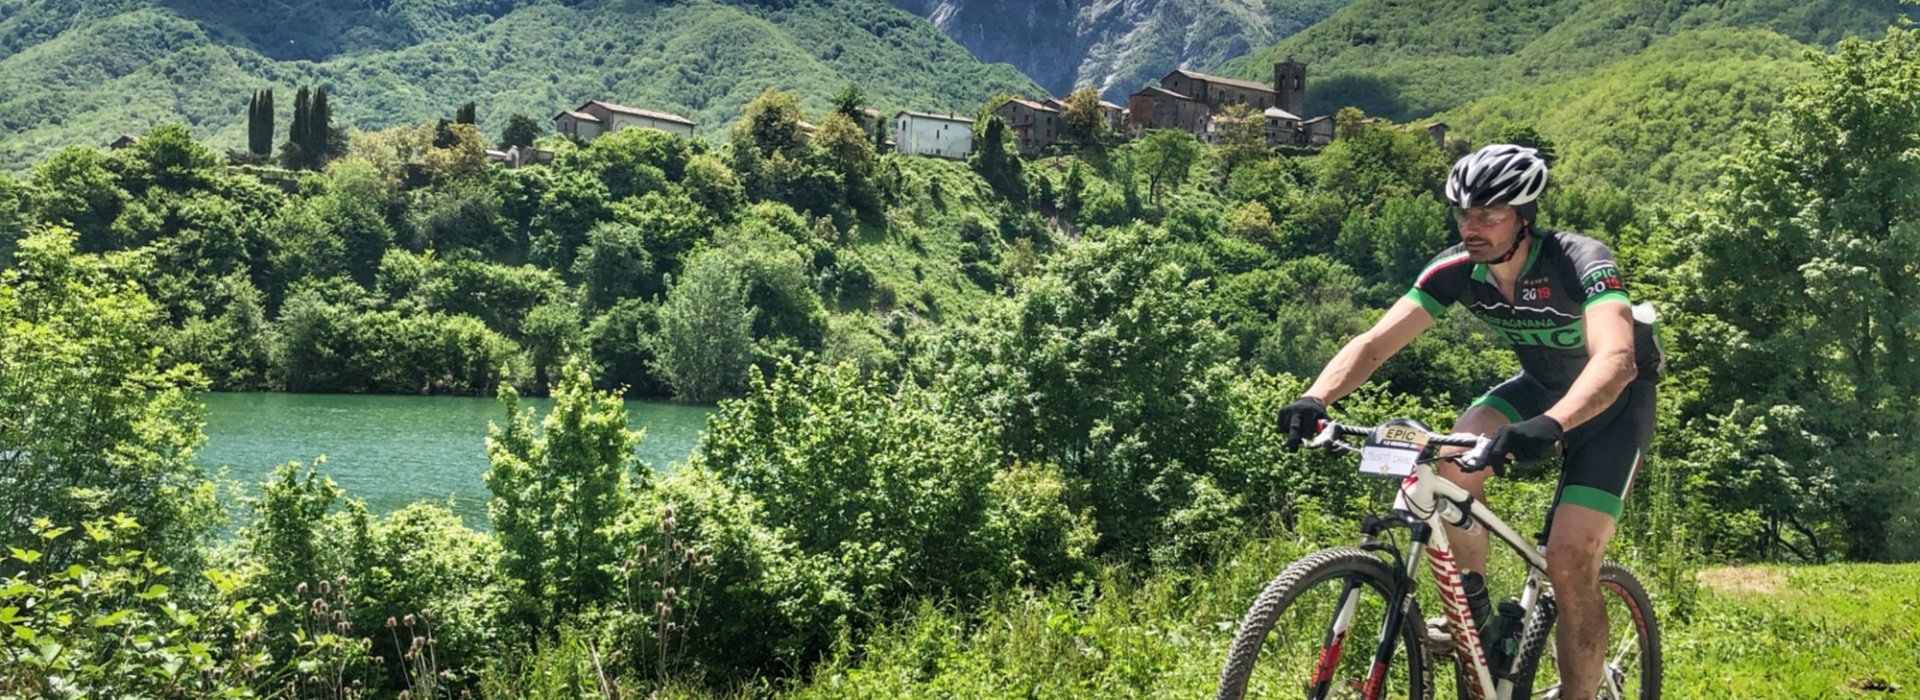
389, 451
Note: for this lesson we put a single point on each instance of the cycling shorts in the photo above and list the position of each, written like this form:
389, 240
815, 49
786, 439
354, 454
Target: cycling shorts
1603, 454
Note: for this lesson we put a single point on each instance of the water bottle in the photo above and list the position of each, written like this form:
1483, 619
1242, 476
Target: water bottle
1504, 640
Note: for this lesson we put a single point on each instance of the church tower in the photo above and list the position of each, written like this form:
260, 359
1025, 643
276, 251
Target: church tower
1290, 85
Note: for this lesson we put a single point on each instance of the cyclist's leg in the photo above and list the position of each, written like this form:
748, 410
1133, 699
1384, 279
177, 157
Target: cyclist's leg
1602, 458
1512, 401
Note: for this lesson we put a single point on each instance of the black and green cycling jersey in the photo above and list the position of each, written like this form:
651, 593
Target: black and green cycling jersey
1564, 274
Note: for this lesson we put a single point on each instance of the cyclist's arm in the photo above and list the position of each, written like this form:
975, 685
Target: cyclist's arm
1357, 361
1610, 364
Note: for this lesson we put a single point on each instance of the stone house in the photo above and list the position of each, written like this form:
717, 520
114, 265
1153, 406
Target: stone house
594, 118
1160, 108
1035, 126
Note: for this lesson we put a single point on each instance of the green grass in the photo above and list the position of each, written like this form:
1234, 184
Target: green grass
1836, 631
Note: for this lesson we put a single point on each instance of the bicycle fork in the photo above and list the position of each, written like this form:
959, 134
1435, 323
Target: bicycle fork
1401, 598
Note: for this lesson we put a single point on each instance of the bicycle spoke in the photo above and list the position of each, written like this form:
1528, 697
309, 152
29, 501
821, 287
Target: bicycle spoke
1628, 645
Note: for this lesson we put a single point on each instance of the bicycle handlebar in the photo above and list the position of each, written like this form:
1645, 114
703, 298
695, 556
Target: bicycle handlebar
1473, 460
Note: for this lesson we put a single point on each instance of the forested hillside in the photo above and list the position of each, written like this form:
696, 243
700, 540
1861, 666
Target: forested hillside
1408, 59
1655, 123
82, 73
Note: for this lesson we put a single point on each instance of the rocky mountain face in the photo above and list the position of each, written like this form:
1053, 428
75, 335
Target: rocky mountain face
1117, 45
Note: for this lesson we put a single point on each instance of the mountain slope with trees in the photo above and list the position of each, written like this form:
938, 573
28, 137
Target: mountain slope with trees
82, 73
1406, 60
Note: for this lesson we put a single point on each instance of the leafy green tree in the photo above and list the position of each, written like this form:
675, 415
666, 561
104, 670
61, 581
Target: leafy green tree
1086, 119
174, 160
88, 416
1167, 156
714, 186
995, 159
1795, 304
850, 154
622, 343
354, 209
615, 264
849, 101
74, 188
558, 489
1525, 135
521, 131
1110, 365
110, 622
571, 206
554, 334
1241, 132
706, 330
849, 464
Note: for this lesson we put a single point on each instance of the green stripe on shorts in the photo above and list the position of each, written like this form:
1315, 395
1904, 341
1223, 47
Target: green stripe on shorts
1501, 405
1590, 497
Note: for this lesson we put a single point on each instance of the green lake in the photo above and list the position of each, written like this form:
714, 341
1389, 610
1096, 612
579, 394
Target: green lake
389, 451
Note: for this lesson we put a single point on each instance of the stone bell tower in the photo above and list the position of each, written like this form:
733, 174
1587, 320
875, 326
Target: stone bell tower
1290, 85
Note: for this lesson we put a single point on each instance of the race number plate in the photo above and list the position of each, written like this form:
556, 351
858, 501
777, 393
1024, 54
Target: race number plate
1392, 449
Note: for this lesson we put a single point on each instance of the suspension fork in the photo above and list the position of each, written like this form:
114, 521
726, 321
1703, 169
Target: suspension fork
1400, 597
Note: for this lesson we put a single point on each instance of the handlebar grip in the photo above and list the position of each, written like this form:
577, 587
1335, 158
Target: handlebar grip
1453, 440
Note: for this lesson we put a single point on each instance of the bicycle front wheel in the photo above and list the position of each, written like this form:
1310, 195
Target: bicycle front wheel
1632, 663
1315, 630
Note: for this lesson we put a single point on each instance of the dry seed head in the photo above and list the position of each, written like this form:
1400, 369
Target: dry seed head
326, 587
390, 621
408, 620
301, 590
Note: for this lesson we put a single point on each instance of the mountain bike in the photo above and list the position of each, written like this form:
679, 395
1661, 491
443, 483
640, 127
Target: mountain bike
1293, 638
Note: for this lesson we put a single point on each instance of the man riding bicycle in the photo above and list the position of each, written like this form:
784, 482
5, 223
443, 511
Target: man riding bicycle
1588, 369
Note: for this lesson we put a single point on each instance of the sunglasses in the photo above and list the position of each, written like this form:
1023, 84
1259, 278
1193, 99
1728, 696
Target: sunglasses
1482, 216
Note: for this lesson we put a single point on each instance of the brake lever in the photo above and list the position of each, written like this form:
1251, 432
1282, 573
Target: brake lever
1326, 437
1475, 458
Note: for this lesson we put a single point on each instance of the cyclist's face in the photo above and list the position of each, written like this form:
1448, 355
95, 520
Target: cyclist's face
1487, 231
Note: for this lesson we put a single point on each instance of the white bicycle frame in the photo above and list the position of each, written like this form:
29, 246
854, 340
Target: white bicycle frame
1427, 498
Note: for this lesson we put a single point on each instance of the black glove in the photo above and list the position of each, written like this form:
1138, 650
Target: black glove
1525, 442
1300, 420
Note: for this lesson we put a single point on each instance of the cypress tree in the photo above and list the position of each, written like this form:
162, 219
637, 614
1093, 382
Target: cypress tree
319, 129
294, 154
266, 123
465, 115
253, 122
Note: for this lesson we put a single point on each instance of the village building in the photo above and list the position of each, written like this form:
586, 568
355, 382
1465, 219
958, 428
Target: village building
1035, 126
1281, 126
928, 134
1113, 114
590, 120
1160, 108
1189, 100
1317, 131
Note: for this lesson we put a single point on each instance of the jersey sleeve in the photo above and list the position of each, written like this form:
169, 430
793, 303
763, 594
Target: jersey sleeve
1442, 282
1598, 276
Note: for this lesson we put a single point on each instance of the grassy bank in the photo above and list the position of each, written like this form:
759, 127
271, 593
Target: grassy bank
1835, 631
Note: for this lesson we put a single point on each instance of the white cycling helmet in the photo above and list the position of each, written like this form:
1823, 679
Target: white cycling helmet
1498, 174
